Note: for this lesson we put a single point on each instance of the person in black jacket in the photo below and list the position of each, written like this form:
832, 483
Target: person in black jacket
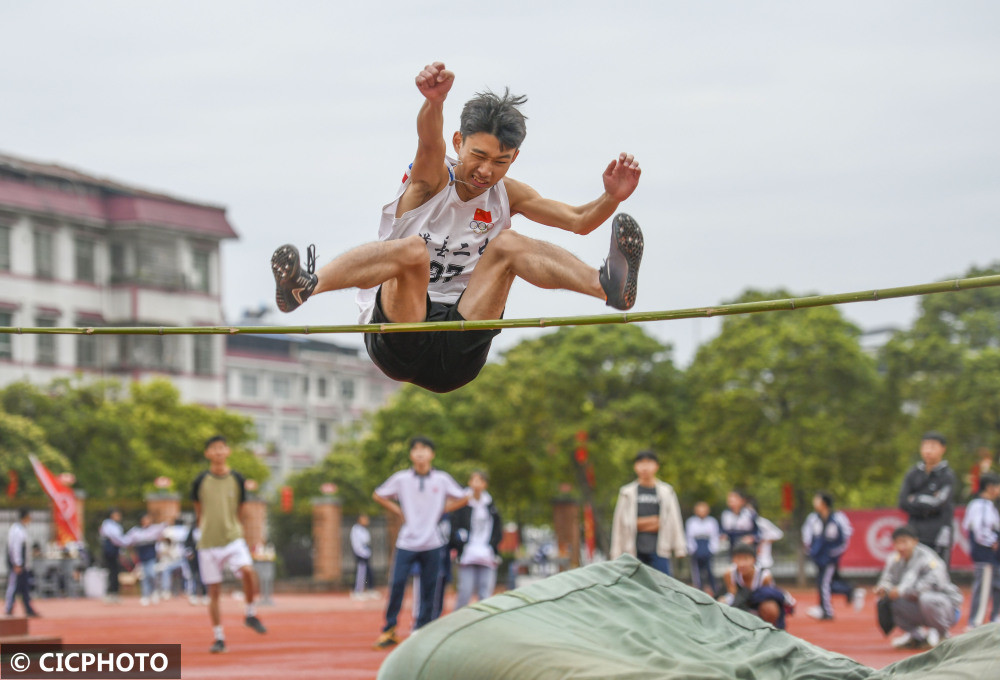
476, 530
928, 496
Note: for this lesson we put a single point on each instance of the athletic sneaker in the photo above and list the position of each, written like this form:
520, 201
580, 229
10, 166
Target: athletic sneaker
909, 641
218, 647
817, 613
387, 639
619, 275
254, 622
293, 286
858, 599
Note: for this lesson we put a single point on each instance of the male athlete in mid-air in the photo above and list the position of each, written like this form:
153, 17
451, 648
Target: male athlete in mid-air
451, 217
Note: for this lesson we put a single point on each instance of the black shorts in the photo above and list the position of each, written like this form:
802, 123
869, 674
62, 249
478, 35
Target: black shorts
439, 361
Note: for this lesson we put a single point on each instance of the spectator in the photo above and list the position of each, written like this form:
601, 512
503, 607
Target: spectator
982, 521
647, 520
112, 541
702, 544
825, 536
419, 495
18, 574
916, 587
751, 587
928, 496
476, 530
142, 539
361, 547
739, 521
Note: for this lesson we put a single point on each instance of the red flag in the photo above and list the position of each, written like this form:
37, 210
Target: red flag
482, 215
12, 483
286, 499
67, 518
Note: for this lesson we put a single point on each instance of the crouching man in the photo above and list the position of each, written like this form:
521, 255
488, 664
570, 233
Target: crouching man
916, 588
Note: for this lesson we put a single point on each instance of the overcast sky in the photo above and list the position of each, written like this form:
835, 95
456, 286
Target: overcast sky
819, 147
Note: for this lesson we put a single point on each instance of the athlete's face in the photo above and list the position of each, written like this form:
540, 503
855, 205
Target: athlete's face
477, 484
745, 563
735, 501
217, 452
482, 163
646, 469
905, 545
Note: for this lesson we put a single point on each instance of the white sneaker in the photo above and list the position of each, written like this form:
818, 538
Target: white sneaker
156, 598
193, 600
933, 637
817, 613
858, 599
901, 641
144, 601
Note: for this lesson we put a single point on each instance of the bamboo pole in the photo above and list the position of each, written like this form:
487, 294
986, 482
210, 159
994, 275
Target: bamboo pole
786, 304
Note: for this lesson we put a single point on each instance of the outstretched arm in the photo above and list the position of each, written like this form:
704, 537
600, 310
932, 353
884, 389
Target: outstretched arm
620, 179
428, 174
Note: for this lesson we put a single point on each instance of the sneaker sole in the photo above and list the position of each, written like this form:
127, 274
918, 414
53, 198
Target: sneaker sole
629, 241
285, 266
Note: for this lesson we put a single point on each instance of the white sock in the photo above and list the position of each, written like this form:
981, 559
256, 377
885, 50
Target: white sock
251, 610
219, 635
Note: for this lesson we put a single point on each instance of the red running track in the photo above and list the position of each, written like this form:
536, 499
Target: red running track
329, 635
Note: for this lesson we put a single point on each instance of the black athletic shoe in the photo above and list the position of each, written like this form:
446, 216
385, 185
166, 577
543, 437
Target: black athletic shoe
218, 647
619, 274
293, 286
254, 622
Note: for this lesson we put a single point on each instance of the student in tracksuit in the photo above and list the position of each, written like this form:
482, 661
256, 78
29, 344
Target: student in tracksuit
17, 565
826, 535
702, 542
982, 522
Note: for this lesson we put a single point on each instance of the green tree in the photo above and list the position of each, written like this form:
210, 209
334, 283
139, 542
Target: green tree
944, 373
19, 439
787, 398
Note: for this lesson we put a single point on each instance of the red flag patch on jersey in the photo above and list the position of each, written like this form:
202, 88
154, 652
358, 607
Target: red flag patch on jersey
483, 216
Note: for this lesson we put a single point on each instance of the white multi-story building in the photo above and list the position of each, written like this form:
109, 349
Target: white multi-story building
80, 250
299, 392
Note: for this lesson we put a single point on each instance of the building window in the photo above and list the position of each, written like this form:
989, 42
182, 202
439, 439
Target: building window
4, 248
6, 344
84, 254
203, 354
44, 255
248, 385
45, 349
322, 432
200, 269
321, 387
281, 388
151, 352
290, 435
261, 431
87, 351
347, 389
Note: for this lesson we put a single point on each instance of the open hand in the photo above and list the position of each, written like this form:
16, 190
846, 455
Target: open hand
434, 81
621, 177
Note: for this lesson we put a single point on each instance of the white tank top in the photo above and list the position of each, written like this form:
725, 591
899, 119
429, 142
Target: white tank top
456, 232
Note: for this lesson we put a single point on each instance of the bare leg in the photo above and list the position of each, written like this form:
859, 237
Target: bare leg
401, 267
214, 613
249, 577
542, 264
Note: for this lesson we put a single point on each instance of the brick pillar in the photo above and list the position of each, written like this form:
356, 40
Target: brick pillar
81, 503
163, 506
253, 516
566, 522
326, 539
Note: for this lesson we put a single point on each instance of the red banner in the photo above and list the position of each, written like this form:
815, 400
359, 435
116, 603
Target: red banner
64, 513
871, 543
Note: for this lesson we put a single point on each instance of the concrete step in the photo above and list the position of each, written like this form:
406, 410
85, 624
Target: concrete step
13, 625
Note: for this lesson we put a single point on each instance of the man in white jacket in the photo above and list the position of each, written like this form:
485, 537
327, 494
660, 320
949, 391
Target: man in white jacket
647, 522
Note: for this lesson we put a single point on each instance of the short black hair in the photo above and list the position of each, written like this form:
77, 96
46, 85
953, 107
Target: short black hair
905, 530
482, 474
647, 454
934, 436
826, 498
213, 439
23, 512
421, 440
495, 115
744, 549
989, 479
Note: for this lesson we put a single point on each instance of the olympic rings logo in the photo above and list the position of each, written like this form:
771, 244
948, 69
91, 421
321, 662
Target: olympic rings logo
480, 227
